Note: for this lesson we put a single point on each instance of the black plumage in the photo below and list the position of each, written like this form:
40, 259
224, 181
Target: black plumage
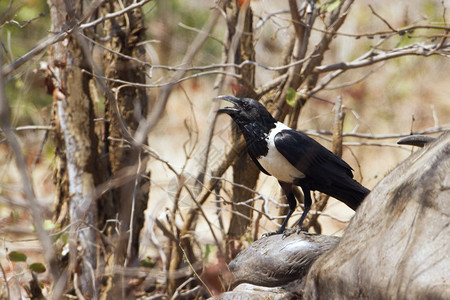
293, 158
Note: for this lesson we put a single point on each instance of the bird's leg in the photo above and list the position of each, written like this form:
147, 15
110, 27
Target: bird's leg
307, 202
287, 189
283, 225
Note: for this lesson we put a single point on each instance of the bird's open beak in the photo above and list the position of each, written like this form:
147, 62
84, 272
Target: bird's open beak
229, 110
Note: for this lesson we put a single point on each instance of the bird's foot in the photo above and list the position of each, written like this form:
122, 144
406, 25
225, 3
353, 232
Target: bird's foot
285, 232
295, 230
267, 234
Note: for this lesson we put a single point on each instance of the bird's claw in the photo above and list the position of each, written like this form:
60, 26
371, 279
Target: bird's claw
267, 234
296, 230
286, 232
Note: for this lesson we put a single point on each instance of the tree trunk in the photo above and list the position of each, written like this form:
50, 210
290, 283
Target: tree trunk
79, 168
245, 171
132, 103
128, 201
76, 149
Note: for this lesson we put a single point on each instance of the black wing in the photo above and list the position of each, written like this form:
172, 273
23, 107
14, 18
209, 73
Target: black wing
324, 171
308, 156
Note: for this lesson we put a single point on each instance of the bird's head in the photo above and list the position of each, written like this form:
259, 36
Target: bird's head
246, 110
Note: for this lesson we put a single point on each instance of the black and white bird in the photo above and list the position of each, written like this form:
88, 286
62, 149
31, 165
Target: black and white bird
293, 158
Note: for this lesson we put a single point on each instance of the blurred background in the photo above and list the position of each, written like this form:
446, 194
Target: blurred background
383, 102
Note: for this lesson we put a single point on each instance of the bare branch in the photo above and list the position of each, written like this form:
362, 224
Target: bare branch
384, 33
32, 127
378, 56
302, 33
382, 19
146, 126
114, 14
165, 84
8, 293
327, 79
178, 290
199, 31
33, 206
23, 24
6, 70
356, 81
438, 129
182, 67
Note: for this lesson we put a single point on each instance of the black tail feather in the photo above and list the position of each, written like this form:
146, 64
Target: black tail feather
348, 191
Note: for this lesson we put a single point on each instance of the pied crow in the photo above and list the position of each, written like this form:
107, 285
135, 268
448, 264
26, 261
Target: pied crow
293, 158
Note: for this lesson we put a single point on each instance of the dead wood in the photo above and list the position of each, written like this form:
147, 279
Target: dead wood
275, 267
396, 246
248, 291
275, 261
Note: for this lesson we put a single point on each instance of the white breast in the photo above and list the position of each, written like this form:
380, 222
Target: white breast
275, 163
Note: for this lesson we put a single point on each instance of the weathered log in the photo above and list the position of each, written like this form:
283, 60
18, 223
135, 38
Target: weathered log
277, 260
248, 291
396, 246
275, 267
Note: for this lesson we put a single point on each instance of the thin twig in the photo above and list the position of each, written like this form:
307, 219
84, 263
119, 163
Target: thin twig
77, 289
165, 84
382, 33
339, 116
382, 19
114, 14
200, 208
378, 56
133, 208
435, 117
33, 206
32, 127
154, 116
199, 31
180, 287
23, 24
302, 33
183, 67
169, 234
195, 271
438, 129
356, 144
6, 70
356, 81
327, 79
8, 293
192, 293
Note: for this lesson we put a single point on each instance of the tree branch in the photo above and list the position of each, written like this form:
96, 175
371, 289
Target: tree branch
33, 205
378, 56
